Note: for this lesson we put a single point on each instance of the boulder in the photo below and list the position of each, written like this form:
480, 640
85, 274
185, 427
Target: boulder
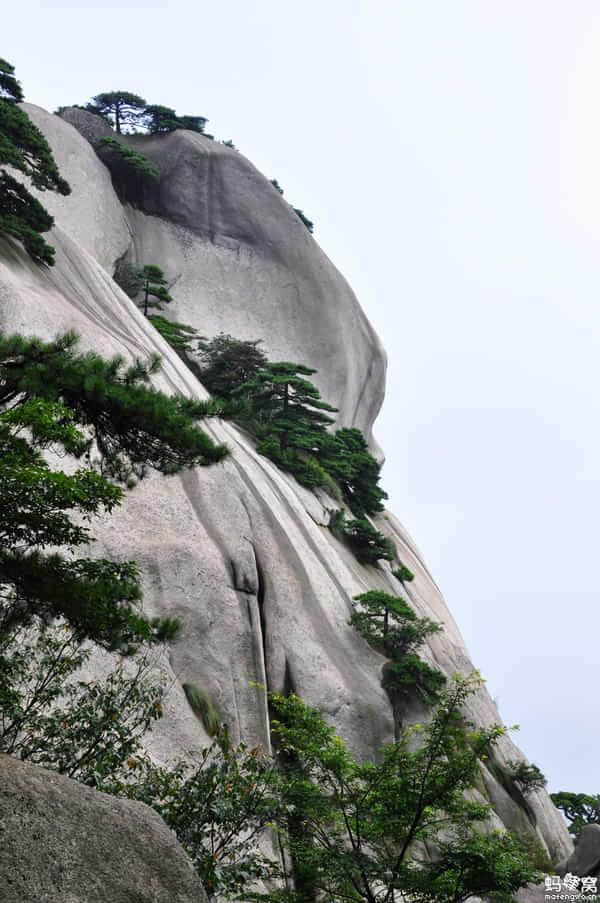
62, 842
585, 859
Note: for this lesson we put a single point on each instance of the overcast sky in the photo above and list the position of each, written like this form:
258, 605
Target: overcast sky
449, 155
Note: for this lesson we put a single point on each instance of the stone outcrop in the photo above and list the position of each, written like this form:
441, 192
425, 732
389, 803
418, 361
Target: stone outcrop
61, 841
239, 551
585, 859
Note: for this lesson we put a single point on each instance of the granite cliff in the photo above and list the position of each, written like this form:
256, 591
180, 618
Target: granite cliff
239, 552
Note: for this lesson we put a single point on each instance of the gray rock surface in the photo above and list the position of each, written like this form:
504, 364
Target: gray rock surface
239, 260
585, 859
239, 551
61, 842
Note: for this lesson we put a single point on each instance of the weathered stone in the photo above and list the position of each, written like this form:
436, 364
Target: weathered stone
239, 551
585, 859
61, 842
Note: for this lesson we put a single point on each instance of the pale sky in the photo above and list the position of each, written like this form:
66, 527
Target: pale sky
449, 155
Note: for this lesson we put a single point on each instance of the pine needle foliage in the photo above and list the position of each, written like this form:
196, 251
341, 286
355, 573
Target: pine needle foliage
123, 109
132, 174
578, 808
390, 625
153, 285
53, 398
24, 148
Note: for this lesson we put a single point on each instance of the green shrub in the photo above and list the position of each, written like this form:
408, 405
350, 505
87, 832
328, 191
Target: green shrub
367, 543
308, 223
403, 574
337, 522
526, 776
407, 673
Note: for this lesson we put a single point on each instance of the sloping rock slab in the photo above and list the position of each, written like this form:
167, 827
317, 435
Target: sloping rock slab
62, 841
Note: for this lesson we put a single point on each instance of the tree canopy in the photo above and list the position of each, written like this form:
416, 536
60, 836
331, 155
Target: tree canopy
356, 831
24, 148
10, 88
227, 363
154, 288
122, 109
578, 808
52, 397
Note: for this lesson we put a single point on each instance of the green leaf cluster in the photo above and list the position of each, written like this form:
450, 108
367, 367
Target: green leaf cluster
218, 804
24, 148
357, 831
85, 730
526, 776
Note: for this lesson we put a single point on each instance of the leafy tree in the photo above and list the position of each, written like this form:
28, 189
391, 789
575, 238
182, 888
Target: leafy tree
24, 148
579, 808
86, 730
122, 108
218, 805
356, 831
154, 287
132, 173
226, 364
526, 776
52, 398
276, 186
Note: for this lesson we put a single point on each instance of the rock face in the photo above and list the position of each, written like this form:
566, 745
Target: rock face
239, 551
61, 841
585, 859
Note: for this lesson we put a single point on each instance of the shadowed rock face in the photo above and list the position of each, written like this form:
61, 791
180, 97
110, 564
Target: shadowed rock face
239, 551
61, 841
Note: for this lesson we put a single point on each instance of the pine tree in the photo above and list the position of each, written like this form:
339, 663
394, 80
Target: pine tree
291, 404
121, 108
24, 148
53, 398
153, 285
10, 88
350, 463
160, 119
227, 363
